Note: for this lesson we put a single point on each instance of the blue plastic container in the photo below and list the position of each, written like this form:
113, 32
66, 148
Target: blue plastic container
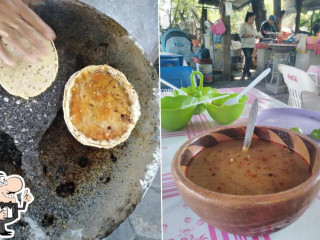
177, 76
171, 60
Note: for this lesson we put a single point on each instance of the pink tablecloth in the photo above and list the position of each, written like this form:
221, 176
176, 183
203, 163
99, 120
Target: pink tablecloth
179, 221
314, 47
261, 45
314, 70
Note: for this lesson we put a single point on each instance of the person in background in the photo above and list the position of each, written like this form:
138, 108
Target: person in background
268, 26
248, 33
16, 19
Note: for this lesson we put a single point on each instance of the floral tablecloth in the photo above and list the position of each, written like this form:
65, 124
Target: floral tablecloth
179, 221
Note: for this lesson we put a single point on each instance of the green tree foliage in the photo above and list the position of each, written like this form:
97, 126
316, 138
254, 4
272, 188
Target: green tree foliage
190, 11
186, 10
310, 21
315, 22
237, 18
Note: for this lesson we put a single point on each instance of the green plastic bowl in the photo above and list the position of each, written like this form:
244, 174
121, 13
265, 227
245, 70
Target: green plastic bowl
188, 90
173, 116
226, 114
207, 92
199, 109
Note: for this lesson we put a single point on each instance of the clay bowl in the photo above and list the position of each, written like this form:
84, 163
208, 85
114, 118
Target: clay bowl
248, 215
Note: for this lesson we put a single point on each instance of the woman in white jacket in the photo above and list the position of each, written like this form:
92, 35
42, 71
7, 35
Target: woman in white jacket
248, 33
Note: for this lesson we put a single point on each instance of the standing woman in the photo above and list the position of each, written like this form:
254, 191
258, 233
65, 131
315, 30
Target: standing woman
247, 34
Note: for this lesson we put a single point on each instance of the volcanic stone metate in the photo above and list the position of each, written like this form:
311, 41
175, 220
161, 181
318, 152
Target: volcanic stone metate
10, 156
80, 192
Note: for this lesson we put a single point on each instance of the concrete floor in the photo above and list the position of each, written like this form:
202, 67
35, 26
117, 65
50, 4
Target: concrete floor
140, 19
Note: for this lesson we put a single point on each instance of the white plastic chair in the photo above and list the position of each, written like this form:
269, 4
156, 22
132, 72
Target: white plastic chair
297, 81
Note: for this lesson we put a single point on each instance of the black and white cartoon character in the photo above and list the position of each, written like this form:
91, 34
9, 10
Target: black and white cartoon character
10, 207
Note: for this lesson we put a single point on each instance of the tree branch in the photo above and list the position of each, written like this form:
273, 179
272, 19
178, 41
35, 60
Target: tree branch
175, 14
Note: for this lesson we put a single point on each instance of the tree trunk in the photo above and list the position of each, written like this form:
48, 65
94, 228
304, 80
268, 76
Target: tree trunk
277, 12
259, 10
226, 43
197, 22
175, 15
204, 16
311, 24
299, 6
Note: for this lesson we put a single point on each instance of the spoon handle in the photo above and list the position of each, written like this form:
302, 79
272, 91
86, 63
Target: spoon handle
172, 86
255, 82
250, 126
207, 100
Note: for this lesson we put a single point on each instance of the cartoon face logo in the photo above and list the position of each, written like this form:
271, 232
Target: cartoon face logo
10, 207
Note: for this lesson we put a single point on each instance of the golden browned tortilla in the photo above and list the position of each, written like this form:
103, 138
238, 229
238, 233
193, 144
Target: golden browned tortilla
100, 106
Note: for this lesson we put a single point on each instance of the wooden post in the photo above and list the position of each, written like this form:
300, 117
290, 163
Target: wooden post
226, 43
299, 6
204, 16
277, 13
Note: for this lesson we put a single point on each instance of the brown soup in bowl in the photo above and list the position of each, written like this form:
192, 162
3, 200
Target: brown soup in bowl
261, 201
266, 168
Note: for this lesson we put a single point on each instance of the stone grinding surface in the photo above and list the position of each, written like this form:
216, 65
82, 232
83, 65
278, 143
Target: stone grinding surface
80, 192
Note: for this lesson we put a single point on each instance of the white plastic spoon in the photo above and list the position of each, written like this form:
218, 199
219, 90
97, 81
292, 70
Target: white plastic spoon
172, 86
250, 125
236, 99
207, 100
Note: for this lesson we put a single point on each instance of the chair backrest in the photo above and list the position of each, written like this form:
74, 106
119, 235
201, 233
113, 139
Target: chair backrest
177, 76
297, 81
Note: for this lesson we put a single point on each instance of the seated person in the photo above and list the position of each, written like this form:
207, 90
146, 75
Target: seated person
268, 26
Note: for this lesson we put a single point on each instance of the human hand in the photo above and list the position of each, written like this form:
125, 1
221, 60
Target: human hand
27, 197
16, 19
2, 215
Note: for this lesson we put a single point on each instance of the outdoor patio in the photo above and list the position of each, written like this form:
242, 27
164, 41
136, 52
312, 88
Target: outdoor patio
219, 83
